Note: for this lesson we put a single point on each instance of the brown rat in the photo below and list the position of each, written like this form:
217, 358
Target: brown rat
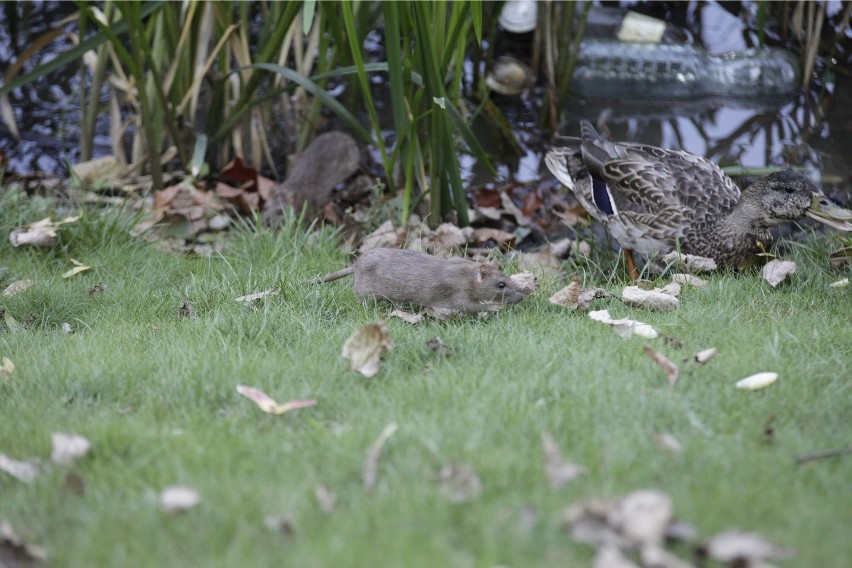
405, 276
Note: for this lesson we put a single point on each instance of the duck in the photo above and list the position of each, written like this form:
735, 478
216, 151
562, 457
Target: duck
654, 200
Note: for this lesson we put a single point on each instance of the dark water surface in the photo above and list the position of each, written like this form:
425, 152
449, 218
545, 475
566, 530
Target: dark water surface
812, 131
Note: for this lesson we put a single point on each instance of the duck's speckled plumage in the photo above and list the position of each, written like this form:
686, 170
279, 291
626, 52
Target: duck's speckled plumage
653, 200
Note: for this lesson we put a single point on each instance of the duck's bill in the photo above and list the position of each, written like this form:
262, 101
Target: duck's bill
825, 211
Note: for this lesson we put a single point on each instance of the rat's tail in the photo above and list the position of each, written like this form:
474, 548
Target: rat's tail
333, 276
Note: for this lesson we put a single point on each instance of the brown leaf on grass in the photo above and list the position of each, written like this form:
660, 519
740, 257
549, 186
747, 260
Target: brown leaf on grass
568, 296
325, 499
610, 556
501, 239
102, 169
757, 381
438, 346
179, 498
41, 233
669, 368
624, 327
365, 347
17, 287
24, 471
666, 441
407, 317
656, 299
688, 279
654, 555
842, 283
775, 271
78, 268
558, 472
6, 368
509, 206
638, 519
15, 551
459, 483
690, 262
268, 404
385, 236
68, 447
371, 465
185, 310
526, 281
11, 322
258, 295
738, 548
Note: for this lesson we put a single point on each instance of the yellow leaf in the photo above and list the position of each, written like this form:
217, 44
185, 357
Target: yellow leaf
76, 270
7, 368
269, 405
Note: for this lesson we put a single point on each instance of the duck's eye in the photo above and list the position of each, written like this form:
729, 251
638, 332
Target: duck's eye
501, 284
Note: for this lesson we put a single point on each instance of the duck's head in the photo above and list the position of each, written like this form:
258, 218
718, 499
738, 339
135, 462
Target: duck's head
787, 196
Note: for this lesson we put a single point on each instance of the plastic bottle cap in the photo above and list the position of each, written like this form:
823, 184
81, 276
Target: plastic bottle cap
518, 16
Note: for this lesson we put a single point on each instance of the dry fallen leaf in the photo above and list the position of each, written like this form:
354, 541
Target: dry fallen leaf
689, 279
757, 381
703, 356
775, 271
669, 368
365, 348
68, 447
17, 287
407, 317
15, 551
11, 322
558, 472
179, 498
258, 295
840, 283
666, 441
526, 281
269, 405
385, 236
41, 233
656, 299
78, 268
610, 556
459, 483
371, 465
568, 296
7, 368
438, 346
642, 516
742, 549
20, 470
97, 289
624, 327
690, 262
658, 557
185, 310
325, 499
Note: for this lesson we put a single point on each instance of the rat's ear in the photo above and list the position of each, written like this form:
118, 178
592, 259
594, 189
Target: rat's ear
482, 272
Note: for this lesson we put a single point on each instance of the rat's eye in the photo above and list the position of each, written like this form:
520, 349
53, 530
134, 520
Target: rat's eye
501, 284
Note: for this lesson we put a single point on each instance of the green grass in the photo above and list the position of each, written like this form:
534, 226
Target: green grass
154, 393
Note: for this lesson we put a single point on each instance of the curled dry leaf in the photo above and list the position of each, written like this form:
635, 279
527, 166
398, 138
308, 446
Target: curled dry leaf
840, 283
386, 236
658, 557
97, 289
459, 483
371, 465
68, 447
325, 499
257, 295
11, 322
558, 472
526, 281
41, 233
669, 368
185, 310
365, 348
624, 327
76, 270
269, 405
7, 368
656, 299
642, 516
703, 356
16, 550
775, 271
179, 498
24, 471
688, 279
690, 262
666, 441
610, 556
17, 287
407, 317
757, 381
500, 238
742, 549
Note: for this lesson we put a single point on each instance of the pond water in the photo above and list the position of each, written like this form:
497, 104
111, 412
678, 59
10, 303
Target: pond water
813, 130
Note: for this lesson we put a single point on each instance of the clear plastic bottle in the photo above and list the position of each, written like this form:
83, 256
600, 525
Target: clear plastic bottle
611, 69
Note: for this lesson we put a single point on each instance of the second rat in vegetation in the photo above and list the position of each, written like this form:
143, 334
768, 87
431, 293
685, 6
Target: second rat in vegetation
409, 277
